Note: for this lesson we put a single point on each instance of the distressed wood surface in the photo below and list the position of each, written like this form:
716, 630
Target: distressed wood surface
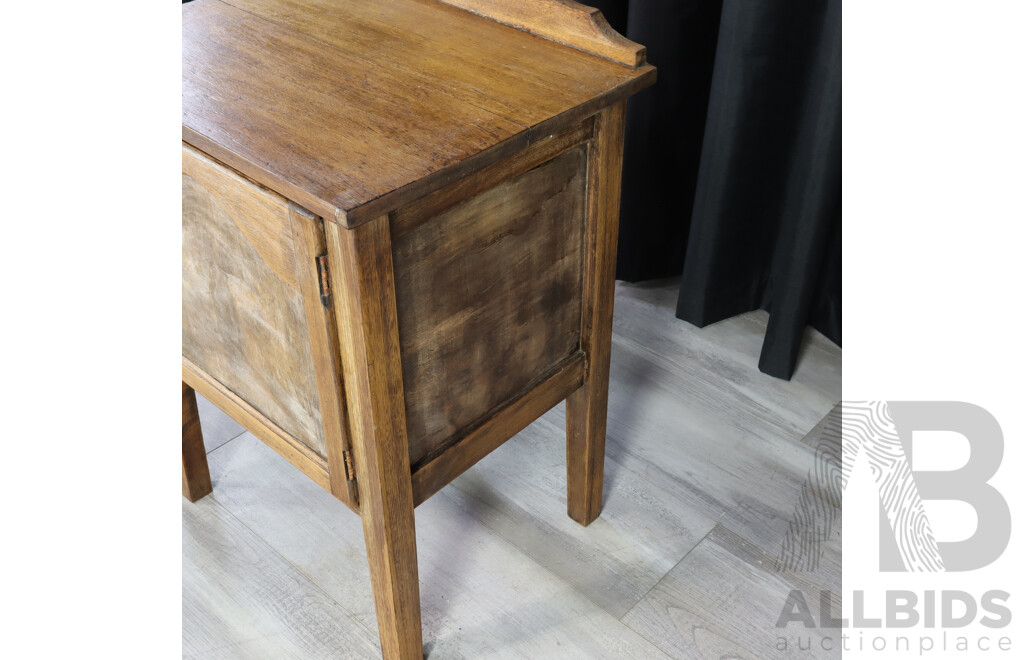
243, 320
586, 408
259, 214
488, 296
697, 437
425, 93
564, 21
362, 281
195, 473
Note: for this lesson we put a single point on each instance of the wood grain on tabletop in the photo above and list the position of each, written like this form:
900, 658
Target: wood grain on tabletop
425, 92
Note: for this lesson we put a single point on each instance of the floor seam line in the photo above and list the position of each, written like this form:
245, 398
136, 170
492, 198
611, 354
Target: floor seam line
662, 578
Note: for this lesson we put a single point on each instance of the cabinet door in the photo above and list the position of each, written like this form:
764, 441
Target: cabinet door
254, 327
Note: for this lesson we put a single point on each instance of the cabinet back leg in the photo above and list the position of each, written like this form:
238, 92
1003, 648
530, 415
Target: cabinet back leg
585, 412
586, 409
195, 472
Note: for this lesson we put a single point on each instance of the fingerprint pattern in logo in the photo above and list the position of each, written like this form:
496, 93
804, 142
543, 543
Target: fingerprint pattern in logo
818, 513
849, 430
868, 427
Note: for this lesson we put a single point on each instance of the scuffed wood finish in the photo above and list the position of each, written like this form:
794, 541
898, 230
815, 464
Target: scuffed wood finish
195, 472
363, 284
587, 408
395, 99
488, 296
298, 454
309, 240
505, 423
564, 21
243, 320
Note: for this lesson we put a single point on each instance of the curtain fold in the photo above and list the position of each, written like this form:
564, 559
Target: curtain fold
732, 163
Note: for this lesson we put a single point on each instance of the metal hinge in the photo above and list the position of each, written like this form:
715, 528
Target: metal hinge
350, 470
325, 280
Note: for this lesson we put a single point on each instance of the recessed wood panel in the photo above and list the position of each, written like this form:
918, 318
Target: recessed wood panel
488, 297
243, 320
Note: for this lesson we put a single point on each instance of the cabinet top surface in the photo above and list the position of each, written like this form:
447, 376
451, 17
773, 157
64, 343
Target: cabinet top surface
354, 107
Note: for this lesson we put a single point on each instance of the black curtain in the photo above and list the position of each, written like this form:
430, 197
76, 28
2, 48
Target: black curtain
732, 165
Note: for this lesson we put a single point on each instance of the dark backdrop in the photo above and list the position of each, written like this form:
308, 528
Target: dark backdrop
732, 164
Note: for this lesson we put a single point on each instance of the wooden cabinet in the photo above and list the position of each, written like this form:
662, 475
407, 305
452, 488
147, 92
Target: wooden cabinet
399, 231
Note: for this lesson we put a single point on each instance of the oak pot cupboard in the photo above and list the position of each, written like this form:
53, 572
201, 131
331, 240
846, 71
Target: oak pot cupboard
399, 229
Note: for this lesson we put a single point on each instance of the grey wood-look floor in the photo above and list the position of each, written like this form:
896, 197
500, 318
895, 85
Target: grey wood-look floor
706, 461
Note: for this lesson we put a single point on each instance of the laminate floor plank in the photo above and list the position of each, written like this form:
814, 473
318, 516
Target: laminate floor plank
724, 599
481, 597
640, 535
240, 599
723, 357
731, 467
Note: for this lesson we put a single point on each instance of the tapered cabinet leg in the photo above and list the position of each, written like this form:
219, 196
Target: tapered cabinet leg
362, 278
391, 550
585, 420
586, 409
195, 472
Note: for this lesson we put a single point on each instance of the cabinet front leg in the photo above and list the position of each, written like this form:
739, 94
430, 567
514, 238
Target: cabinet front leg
390, 533
362, 279
195, 472
586, 409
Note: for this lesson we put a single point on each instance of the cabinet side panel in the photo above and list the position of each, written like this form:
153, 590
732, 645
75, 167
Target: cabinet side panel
243, 323
488, 295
